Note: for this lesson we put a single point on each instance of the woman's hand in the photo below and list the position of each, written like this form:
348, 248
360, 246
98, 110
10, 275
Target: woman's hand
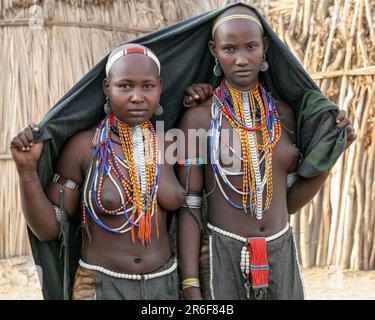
196, 94
343, 122
24, 151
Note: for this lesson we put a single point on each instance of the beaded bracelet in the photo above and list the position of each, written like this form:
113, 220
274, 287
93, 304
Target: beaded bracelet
68, 183
189, 162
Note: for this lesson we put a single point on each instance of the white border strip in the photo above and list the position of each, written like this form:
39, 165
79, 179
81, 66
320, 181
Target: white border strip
211, 269
299, 267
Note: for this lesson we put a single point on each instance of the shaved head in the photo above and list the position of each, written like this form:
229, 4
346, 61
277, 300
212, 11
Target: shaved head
127, 46
239, 9
129, 49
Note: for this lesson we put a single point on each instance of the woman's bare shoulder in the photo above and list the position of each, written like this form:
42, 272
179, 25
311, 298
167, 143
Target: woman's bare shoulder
198, 117
77, 149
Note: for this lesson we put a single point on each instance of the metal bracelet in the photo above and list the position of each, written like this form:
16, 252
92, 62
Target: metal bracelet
193, 202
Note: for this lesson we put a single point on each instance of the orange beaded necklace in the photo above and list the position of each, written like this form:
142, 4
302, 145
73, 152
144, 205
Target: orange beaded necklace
241, 110
141, 157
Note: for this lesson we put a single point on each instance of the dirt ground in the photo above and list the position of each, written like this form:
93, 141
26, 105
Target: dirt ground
19, 281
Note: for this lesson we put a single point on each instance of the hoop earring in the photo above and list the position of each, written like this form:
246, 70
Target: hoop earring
264, 65
107, 107
158, 110
217, 68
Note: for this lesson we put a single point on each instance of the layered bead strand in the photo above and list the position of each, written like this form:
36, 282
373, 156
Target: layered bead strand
141, 159
241, 110
255, 173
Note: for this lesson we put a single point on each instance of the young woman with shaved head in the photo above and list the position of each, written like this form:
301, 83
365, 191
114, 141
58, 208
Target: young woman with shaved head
115, 174
248, 249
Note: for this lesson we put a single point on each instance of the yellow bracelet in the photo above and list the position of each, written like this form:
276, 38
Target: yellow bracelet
190, 280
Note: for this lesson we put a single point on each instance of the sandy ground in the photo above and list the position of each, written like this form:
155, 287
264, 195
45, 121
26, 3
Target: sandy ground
19, 281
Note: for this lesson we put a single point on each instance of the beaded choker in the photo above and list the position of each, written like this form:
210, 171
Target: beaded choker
141, 160
241, 109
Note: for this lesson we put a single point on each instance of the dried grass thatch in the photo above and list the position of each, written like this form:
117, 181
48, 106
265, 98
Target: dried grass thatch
50, 44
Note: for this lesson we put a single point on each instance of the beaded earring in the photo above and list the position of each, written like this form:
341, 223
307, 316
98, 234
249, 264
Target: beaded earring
107, 107
264, 65
217, 69
159, 110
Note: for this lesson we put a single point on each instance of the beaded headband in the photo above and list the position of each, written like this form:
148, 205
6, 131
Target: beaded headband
236, 16
127, 51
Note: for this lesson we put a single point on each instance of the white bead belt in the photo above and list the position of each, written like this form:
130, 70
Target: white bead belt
129, 276
242, 239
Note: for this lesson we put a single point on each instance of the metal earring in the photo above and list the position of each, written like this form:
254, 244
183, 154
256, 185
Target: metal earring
264, 65
217, 68
107, 107
158, 110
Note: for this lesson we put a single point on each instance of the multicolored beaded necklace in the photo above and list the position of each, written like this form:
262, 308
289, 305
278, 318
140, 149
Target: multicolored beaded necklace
141, 159
247, 113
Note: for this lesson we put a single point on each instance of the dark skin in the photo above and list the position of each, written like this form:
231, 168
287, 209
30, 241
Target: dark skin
239, 47
133, 88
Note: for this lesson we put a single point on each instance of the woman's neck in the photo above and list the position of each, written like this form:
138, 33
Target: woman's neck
247, 88
118, 122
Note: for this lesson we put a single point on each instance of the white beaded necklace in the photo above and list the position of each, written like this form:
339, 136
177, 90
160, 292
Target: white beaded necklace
140, 164
260, 181
254, 158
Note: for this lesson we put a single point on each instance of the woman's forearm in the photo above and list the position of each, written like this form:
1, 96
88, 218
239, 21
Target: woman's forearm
38, 210
189, 250
303, 191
